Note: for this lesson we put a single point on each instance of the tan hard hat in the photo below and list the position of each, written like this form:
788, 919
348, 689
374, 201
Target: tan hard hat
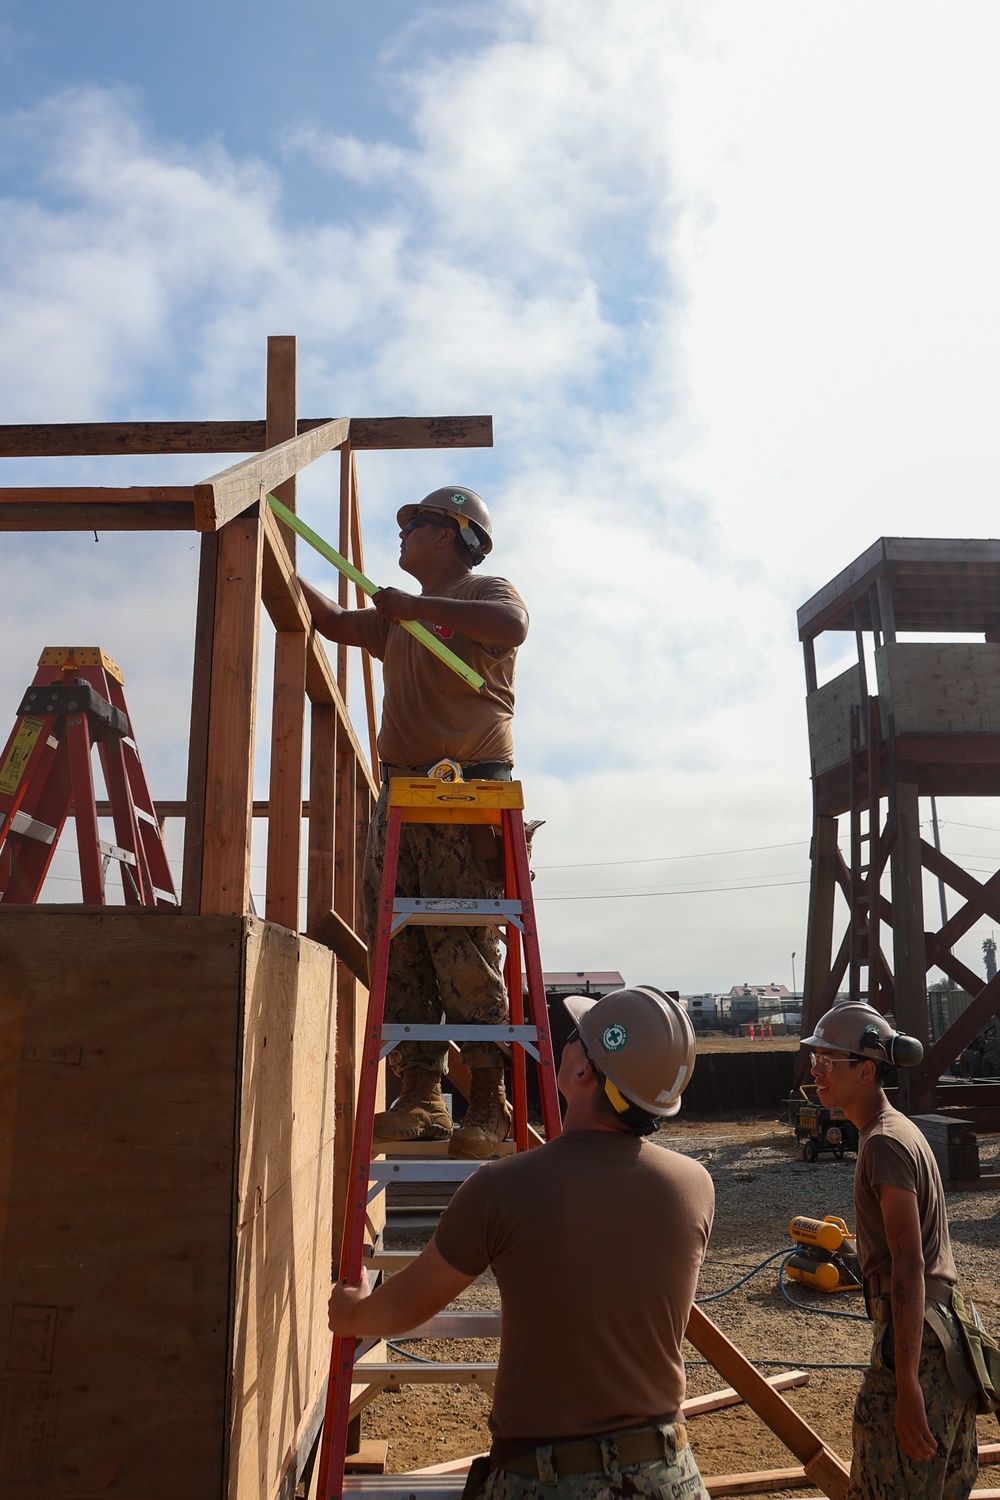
855, 1027
643, 1043
468, 508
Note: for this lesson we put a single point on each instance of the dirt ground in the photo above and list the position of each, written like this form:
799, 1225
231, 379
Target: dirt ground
761, 1183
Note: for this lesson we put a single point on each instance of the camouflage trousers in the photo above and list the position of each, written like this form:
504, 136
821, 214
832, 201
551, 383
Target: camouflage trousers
433, 970
880, 1470
674, 1477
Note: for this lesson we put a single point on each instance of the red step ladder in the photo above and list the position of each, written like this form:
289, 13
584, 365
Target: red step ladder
430, 800
75, 702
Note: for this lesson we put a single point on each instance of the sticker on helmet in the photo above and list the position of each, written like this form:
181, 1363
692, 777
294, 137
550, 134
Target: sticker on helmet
458, 499
614, 1038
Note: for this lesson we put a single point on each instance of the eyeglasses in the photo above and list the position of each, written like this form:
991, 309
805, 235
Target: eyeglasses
423, 519
821, 1062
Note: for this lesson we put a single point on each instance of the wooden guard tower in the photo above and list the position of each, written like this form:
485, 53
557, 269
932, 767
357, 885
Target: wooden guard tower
177, 1085
909, 719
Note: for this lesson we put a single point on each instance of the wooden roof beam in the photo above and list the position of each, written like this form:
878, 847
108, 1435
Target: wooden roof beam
91, 508
102, 439
228, 494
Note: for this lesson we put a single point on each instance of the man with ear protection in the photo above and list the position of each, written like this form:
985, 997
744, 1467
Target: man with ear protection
915, 1416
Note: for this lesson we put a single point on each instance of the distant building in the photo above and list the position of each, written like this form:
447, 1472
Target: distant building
595, 982
703, 1010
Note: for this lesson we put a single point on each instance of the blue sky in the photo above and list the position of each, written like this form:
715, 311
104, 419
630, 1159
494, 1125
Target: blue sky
723, 275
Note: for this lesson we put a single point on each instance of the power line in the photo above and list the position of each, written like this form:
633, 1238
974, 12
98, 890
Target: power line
664, 858
692, 891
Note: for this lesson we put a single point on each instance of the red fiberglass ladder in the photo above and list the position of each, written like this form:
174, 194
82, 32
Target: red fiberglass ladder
429, 800
74, 703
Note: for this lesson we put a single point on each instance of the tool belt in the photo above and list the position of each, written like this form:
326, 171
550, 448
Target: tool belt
475, 770
636, 1446
878, 1303
972, 1355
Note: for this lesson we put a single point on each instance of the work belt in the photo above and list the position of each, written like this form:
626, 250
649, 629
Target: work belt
475, 770
971, 1354
878, 1303
593, 1455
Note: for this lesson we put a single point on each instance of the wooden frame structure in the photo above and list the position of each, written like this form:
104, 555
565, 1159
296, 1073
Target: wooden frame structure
929, 726
201, 1060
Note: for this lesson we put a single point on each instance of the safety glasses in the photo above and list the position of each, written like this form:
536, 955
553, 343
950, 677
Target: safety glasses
423, 519
821, 1062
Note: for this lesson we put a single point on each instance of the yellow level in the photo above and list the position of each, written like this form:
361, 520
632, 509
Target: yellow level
425, 799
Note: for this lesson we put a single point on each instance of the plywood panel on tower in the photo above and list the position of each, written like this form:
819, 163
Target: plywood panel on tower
939, 687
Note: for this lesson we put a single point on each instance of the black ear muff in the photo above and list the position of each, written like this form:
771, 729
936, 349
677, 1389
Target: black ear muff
905, 1051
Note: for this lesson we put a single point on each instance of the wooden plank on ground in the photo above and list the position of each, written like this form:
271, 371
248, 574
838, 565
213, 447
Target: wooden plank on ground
695, 1406
758, 1482
229, 774
369, 1458
229, 493
823, 1467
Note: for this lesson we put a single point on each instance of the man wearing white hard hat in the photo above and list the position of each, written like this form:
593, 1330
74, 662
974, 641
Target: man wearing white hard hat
915, 1416
596, 1240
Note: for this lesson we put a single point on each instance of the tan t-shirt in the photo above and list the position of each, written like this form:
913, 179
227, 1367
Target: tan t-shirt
428, 712
893, 1151
596, 1240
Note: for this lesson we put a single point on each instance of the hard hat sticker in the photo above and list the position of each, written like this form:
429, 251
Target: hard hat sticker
458, 499
614, 1038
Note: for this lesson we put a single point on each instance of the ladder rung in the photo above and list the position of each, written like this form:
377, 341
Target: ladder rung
459, 1323
427, 1150
112, 851
403, 1486
390, 1260
453, 911
382, 1173
146, 817
523, 1036
391, 1376
32, 828
166, 897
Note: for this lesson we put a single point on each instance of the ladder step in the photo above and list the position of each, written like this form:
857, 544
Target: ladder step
112, 851
32, 828
523, 1036
390, 1377
458, 1323
431, 1150
453, 911
403, 1486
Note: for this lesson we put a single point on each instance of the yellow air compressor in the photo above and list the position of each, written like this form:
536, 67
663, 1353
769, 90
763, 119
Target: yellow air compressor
828, 1257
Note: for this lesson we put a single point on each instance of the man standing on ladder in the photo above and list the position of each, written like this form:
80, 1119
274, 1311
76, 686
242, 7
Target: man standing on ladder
596, 1240
915, 1416
428, 715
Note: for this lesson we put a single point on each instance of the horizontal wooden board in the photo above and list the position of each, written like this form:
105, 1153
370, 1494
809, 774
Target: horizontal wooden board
79, 439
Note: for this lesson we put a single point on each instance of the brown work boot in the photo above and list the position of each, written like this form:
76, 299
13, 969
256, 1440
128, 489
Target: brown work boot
487, 1119
419, 1114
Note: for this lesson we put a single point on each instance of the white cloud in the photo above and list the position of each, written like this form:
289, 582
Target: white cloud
725, 277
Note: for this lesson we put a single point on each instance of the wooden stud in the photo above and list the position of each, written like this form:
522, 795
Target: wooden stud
193, 808
322, 818
909, 954
344, 547
229, 775
284, 830
281, 420
367, 671
346, 861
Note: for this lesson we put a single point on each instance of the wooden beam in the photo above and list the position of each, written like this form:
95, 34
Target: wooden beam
909, 943
362, 602
229, 776
696, 1406
824, 1468
281, 420
754, 1482
85, 439
201, 694
347, 851
285, 604
966, 885
345, 942
322, 792
284, 832
141, 507
229, 493
819, 929
344, 547
984, 1007
152, 517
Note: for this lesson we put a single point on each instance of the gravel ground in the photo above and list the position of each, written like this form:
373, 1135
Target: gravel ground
761, 1183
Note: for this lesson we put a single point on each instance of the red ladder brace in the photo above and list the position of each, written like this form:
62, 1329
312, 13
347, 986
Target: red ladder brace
426, 800
76, 701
